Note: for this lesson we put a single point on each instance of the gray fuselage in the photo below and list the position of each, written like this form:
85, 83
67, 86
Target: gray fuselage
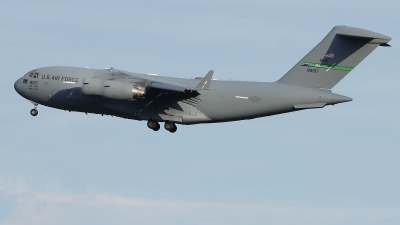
61, 87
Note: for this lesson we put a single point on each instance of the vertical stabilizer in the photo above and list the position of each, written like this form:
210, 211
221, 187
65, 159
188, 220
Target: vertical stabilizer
332, 59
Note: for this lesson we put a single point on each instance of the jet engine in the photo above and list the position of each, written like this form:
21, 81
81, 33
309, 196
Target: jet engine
112, 89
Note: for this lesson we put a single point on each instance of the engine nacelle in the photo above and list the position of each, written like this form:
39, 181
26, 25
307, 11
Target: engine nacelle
112, 89
92, 86
121, 90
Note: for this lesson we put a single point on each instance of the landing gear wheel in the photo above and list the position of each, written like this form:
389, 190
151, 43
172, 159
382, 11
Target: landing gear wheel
170, 126
154, 125
34, 112
174, 130
158, 127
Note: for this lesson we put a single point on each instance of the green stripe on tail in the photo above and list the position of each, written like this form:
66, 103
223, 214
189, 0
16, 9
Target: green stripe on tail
330, 67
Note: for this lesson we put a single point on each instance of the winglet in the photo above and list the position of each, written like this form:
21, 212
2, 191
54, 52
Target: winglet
205, 82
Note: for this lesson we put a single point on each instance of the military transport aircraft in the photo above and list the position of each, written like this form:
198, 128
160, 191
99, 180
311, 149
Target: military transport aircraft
202, 100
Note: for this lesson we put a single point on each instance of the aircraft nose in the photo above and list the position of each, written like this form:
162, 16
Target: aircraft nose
17, 86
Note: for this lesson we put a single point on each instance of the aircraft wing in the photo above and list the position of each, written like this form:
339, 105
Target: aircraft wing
163, 84
172, 86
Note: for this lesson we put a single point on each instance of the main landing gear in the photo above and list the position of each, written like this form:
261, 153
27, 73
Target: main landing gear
169, 126
154, 125
34, 111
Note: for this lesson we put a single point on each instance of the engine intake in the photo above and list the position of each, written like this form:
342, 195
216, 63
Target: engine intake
112, 89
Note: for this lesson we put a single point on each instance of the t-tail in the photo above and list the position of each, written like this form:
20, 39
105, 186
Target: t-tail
332, 59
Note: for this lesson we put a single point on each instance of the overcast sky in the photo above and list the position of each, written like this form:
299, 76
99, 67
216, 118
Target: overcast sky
336, 165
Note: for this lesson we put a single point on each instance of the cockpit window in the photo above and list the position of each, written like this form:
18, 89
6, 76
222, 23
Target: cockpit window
27, 74
32, 74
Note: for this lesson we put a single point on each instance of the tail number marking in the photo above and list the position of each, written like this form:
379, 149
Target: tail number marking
312, 70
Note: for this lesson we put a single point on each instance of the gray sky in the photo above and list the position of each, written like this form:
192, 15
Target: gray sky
336, 165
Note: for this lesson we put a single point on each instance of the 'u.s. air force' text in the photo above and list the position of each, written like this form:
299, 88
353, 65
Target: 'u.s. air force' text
68, 79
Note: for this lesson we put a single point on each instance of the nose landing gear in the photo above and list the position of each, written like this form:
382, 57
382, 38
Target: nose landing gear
34, 111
